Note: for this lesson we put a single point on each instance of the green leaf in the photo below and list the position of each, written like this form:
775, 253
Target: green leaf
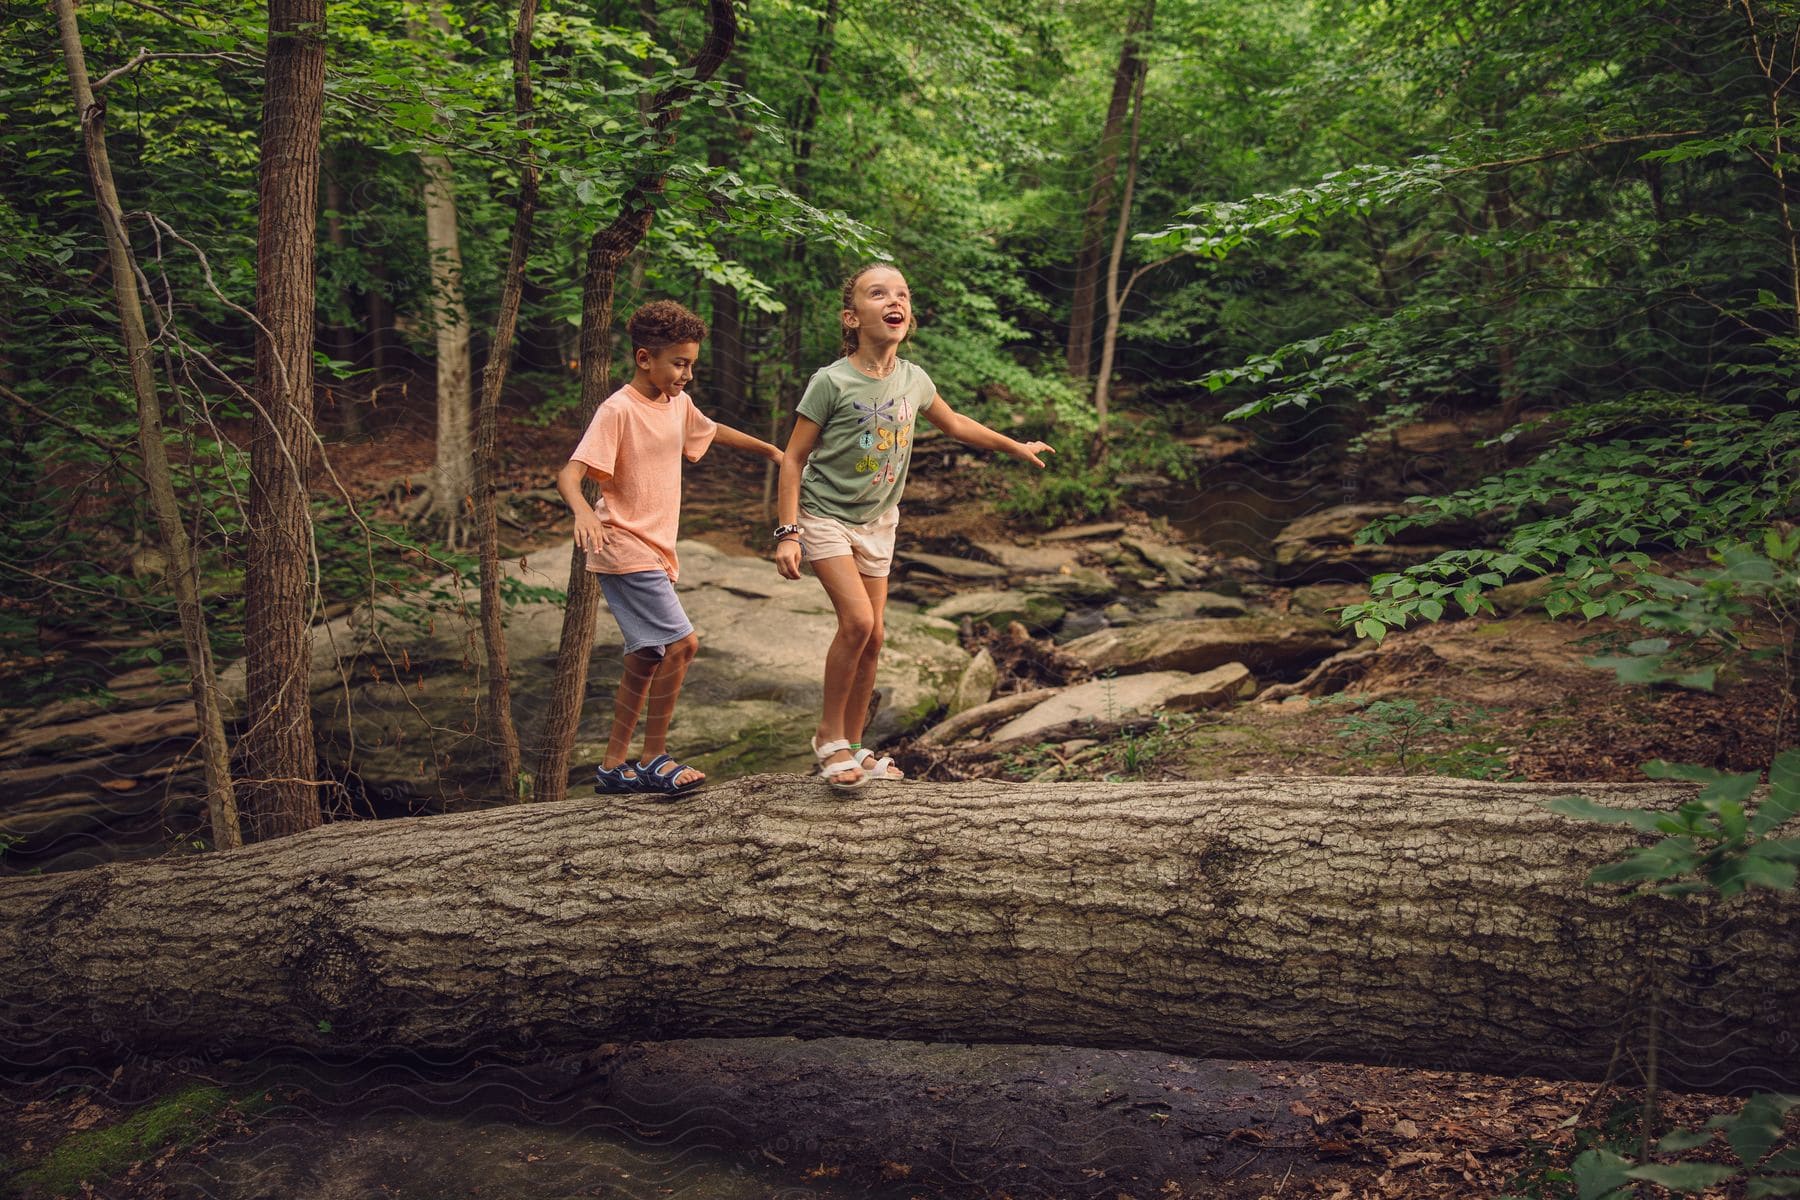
1683, 1140
1783, 803
1583, 809
1756, 1128
1683, 1177
1600, 1175
1772, 1187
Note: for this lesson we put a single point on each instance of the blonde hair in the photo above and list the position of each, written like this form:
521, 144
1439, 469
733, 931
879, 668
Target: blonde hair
847, 303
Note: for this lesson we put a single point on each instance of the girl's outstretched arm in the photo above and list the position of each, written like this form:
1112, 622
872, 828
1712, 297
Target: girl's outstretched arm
971, 432
737, 439
787, 494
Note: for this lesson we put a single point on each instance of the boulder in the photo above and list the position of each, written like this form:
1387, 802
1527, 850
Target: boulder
1319, 548
1035, 610
1176, 564
1268, 645
400, 716
1323, 599
1129, 695
977, 683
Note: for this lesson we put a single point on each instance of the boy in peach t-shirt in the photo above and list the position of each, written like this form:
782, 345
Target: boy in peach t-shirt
634, 447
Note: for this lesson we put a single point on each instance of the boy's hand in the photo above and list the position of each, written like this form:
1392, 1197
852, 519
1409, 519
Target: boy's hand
590, 531
1029, 451
787, 557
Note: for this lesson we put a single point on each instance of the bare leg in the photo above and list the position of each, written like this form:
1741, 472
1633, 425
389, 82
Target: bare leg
665, 688
843, 661
628, 703
862, 687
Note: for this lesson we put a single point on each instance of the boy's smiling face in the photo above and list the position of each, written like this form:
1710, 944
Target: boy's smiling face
662, 374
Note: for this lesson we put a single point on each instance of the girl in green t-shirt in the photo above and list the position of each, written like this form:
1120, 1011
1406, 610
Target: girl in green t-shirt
841, 480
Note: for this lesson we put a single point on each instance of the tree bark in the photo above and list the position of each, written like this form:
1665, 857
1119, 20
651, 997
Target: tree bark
343, 339
1436, 923
184, 571
452, 476
280, 792
610, 247
1084, 299
1115, 297
493, 631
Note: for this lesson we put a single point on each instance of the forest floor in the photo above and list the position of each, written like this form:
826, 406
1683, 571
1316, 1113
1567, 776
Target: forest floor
1504, 697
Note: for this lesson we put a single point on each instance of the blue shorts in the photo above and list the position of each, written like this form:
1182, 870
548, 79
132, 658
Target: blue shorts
649, 615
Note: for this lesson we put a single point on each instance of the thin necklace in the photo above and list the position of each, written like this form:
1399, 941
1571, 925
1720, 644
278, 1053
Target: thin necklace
877, 372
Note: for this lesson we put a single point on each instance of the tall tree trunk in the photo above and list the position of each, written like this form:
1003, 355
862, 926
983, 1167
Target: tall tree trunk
452, 475
184, 570
280, 791
1505, 278
610, 247
493, 630
803, 122
1084, 298
728, 377
1115, 296
1768, 40
1439, 923
343, 339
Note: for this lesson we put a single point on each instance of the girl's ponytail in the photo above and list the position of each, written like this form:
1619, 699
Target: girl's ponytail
847, 302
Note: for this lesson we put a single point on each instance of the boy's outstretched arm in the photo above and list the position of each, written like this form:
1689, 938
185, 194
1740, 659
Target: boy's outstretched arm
589, 532
971, 432
737, 439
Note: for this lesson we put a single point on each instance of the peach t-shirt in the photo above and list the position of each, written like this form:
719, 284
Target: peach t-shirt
634, 447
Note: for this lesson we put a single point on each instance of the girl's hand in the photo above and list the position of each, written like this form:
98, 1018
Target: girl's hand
787, 557
1029, 451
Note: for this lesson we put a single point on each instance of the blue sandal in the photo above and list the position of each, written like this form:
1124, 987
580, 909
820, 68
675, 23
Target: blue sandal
659, 774
622, 780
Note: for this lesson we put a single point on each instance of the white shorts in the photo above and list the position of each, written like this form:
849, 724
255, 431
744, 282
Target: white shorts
872, 545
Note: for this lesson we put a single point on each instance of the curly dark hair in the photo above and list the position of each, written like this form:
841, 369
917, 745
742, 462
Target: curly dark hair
664, 323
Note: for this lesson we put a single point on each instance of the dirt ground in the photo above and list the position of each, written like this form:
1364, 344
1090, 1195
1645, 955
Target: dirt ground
821, 1120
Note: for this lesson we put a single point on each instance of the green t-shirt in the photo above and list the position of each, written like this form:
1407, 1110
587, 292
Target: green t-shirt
858, 469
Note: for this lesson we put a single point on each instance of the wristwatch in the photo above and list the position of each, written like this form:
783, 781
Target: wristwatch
782, 531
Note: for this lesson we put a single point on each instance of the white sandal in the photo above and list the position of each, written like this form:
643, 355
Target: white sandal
830, 770
883, 767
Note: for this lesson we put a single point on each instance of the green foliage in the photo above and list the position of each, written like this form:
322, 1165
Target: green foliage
1587, 510
1714, 841
1766, 1164
1716, 614
1442, 736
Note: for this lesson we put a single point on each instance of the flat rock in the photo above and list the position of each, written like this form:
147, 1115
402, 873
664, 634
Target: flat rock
1268, 645
1029, 560
1080, 533
1034, 610
1128, 695
955, 568
1073, 583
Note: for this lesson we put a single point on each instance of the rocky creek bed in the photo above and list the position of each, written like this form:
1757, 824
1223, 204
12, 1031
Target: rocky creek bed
1126, 649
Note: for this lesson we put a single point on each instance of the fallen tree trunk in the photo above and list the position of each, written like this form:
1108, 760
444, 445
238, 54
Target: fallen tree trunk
1426, 922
